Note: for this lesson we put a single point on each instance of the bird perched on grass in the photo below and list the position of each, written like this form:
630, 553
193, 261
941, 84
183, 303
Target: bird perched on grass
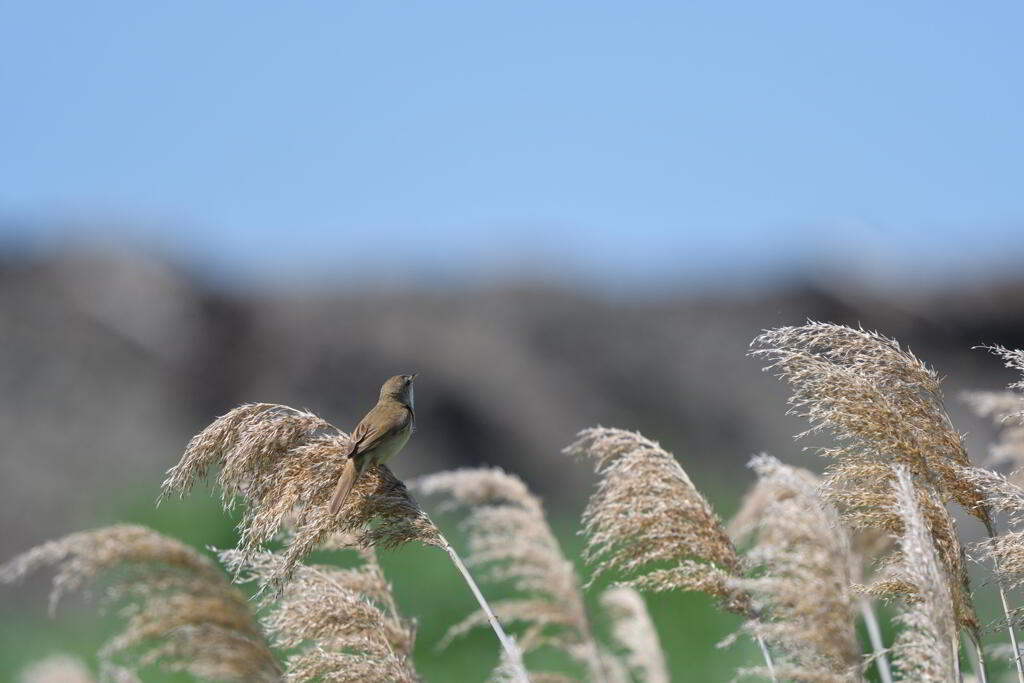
379, 435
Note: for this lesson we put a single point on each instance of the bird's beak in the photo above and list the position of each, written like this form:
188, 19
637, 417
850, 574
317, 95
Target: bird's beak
415, 375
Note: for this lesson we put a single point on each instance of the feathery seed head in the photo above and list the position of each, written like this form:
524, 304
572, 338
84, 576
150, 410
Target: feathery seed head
880, 402
632, 628
179, 610
884, 407
924, 649
802, 574
336, 624
646, 510
57, 668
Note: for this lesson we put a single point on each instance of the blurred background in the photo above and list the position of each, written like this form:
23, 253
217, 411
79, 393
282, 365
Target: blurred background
560, 214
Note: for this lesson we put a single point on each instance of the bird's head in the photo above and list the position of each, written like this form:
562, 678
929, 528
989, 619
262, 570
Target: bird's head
399, 388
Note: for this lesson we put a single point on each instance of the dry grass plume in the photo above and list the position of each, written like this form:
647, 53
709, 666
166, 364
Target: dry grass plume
645, 512
58, 668
925, 650
884, 408
334, 624
801, 567
633, 630
179, 611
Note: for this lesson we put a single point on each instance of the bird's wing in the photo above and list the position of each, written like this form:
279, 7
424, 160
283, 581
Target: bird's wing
378, 425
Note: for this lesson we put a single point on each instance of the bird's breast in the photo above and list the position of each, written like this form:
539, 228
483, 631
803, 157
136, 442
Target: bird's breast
391, 445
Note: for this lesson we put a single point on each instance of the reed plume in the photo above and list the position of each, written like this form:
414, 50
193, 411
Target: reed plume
1006, 550
58, 668
925, 650
884, 408
801, 567
646, 511
633, 630
881, 403
284, 463
509, 538
1002, 494
179, 611
767, 492
335, 624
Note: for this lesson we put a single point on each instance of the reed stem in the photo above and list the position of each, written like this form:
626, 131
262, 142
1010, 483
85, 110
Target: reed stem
977, 659
509, 645
767, 657
991, 527
875, 636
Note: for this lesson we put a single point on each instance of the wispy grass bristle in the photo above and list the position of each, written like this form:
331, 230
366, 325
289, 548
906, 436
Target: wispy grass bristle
1006, 410
1013, 359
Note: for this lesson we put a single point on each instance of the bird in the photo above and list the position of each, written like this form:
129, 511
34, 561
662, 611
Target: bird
379, 435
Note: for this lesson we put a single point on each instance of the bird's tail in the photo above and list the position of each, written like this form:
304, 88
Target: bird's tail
345, 483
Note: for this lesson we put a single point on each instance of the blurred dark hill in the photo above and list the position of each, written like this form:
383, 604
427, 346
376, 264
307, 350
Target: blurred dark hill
109, 364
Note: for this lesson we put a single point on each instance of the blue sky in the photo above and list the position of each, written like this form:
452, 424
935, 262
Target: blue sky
616, 141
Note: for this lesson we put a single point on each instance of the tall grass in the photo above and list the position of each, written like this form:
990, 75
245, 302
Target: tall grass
801, 565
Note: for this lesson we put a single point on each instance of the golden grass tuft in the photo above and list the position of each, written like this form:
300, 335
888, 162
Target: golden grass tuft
646, 511
179, 611
57, 668
801, 567
334, 624
926, 648
881, 403
884, 408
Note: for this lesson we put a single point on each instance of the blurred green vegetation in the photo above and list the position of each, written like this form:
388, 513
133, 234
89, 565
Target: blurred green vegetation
426, 586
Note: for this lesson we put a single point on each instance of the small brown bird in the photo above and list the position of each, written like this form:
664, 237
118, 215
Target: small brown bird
379, 435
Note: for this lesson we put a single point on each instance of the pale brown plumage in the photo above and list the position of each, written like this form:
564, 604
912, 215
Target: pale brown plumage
379, 435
